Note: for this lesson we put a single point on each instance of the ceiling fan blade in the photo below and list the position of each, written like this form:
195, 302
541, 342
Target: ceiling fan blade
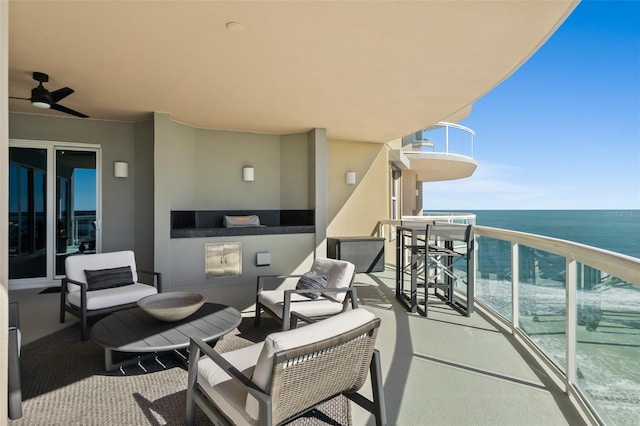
22, 99
58, 95
68, 110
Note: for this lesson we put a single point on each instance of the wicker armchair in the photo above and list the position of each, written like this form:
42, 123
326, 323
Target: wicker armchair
336, 297
291, 372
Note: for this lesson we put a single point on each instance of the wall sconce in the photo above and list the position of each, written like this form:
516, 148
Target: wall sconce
121, 169
351, 178
247, 174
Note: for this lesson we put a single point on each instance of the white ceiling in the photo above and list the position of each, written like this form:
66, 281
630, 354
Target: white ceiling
371, 71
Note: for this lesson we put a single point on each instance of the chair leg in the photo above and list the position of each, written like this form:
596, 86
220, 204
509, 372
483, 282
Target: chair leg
256, 320
62, 302
85, 331
378, 391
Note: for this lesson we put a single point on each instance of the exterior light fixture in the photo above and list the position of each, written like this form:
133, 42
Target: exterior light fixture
247, 174
121, 169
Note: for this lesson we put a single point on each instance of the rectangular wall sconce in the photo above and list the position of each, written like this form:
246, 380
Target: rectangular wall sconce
121, 169
247, 174
351, 178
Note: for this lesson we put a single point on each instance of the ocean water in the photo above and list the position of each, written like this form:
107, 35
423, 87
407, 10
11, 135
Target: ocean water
615, 230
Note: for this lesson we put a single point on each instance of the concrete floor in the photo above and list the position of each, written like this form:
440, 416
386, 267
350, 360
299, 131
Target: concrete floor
446, 369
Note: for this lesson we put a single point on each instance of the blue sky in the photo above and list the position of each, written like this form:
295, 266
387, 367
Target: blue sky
563, 131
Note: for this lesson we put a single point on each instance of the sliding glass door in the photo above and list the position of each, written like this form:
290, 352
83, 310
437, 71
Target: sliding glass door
76, 205
27, 213
53, 207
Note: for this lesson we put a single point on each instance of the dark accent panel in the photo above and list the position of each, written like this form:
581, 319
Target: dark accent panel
183, 219
297, 217
209, 223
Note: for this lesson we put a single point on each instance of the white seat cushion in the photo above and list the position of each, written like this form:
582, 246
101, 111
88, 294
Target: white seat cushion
274, 300
226, 393
109, 297
340, 273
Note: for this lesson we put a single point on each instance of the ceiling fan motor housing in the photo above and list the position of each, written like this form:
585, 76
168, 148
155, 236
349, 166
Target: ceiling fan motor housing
40, 94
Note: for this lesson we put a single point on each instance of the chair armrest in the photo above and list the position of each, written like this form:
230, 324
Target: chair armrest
295, 316
286, 309
69, 280
351, 293
157, 278
198, 345
261, 278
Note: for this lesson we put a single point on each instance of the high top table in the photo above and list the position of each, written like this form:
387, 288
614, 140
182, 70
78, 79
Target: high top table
430, 250
135, 331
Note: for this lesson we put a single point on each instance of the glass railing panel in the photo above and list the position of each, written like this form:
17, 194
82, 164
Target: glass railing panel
493, 275
608, 345
542, 303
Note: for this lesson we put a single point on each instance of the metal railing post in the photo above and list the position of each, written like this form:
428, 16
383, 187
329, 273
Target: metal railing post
571, 321
446, 139
515, 289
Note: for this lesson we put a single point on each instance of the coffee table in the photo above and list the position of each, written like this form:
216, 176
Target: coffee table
135, 331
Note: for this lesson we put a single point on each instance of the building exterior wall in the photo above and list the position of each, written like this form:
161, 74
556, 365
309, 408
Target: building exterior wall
117, 140
201, 169
173, 166
354, 210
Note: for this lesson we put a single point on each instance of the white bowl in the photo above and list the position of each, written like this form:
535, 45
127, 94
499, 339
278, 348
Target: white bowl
172, 306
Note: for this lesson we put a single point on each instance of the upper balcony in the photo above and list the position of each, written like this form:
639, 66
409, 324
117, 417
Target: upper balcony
443, 151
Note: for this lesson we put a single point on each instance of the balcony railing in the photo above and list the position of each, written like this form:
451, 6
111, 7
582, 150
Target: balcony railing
576, 307
443, 137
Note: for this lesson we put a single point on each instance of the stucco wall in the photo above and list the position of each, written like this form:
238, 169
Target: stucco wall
201, 169
354, 210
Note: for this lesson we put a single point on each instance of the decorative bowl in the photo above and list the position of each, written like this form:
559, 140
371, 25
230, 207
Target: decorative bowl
172, 306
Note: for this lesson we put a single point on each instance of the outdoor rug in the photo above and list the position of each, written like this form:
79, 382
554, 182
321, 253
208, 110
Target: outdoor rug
64, 383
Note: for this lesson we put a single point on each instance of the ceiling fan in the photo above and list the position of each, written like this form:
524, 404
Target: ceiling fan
42, 98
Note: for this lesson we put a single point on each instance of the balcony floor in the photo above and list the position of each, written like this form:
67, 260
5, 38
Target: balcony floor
447, 369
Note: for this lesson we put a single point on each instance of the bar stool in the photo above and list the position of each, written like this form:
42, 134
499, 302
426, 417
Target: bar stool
446, 245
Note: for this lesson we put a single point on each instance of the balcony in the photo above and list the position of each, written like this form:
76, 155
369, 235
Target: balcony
443, 151
573, 307
551, 328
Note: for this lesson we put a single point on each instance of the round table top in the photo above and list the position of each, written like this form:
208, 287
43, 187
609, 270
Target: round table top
134, 330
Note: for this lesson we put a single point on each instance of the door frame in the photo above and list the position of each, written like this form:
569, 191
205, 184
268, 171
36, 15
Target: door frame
51, 147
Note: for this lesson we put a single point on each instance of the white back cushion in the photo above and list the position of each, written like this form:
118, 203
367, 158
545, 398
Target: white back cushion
340, 273
76, 265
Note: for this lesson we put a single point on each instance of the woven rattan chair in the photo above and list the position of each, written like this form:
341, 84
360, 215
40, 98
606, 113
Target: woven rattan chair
290, 373
285, 300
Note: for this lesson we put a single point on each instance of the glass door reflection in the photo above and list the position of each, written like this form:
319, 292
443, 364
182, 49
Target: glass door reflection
27, 213
76, 205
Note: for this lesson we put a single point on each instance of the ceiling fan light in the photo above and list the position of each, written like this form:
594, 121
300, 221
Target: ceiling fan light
40, 104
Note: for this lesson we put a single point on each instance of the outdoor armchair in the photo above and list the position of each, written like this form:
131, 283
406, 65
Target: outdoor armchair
97, 284
290, 373
335, 297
